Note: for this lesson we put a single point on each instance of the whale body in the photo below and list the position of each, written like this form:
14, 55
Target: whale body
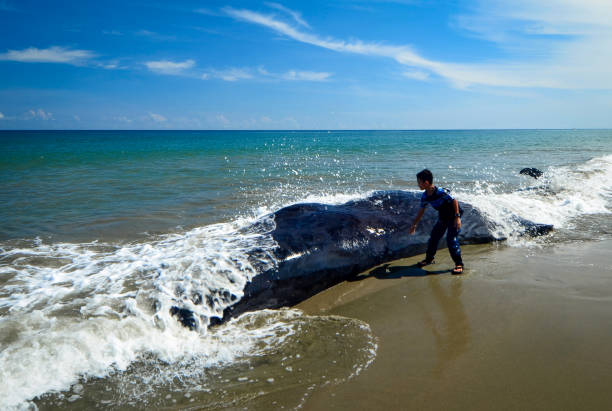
320, 245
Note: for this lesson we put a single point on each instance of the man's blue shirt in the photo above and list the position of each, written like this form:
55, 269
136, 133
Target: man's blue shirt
440, 200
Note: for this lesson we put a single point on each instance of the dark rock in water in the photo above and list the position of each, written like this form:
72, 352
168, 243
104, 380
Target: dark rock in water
533, 172
321, 245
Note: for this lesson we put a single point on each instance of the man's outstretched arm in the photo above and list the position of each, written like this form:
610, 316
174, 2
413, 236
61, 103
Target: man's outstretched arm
416, 220
457, 216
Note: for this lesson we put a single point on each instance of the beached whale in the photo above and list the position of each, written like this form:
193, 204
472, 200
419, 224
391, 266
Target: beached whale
320, 245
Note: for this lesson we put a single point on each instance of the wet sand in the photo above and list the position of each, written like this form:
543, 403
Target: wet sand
521, 329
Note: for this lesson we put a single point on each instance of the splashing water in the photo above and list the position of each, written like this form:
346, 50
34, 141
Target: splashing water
562, 195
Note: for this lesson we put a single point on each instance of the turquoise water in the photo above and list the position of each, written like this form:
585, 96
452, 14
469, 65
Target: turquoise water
103, 231
118, 185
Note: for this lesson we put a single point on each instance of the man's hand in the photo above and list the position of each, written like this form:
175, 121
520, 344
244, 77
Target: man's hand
458, 222
416, 220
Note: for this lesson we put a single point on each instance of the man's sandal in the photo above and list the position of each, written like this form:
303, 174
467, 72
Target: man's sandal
458, 269
423, 263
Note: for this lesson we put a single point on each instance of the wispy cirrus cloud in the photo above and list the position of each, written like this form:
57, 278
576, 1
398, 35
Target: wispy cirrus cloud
305, 75
402, 54
208, 12
155, 36
110, 65
315, 40
222, 119
416, 75
509, 21
236, 74
296, 16
158, 118
53, 54
38, 114
518, 25
122, 119
168, 67
231, 74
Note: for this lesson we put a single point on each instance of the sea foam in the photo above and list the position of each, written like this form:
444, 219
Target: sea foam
560, 196
82, 309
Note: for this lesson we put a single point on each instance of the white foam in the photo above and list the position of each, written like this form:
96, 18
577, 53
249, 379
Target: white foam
83, 309
79, 310
558, 197
71, 351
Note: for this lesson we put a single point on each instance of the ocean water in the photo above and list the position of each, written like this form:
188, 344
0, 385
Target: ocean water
101, 230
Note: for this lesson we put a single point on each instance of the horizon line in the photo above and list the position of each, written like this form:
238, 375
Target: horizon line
317, 130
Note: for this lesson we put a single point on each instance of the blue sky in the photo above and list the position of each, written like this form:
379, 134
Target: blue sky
375, 64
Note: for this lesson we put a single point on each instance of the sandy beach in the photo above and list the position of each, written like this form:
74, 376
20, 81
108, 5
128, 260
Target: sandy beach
521, 329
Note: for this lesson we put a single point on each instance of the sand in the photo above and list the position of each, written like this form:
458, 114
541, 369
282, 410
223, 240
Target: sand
523, 328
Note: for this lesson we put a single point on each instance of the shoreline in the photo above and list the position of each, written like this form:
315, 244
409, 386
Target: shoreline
523, 328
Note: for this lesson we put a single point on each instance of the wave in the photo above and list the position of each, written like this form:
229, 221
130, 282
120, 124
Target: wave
559, 197
254, 355
82, 309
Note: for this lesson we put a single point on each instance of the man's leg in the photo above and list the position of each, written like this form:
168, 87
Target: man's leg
436, 234
453, 244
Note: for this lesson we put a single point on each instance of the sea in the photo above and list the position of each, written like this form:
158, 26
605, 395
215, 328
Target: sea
102, 230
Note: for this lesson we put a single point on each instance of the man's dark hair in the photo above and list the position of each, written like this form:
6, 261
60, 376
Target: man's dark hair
425, 175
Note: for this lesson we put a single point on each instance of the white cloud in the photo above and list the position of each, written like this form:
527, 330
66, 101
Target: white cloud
109, 65
123, 119
294, 14
154, 36
158, 118
232, 74
501, 20
236, 74
53, 54
1, 116
572, 40
580, 60
207, 12
358, 47
76, 118
39, 114
222, 119
306, 75
416, 75
169, 67
402, 54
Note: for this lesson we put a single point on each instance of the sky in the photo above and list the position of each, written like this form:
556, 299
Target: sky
334, 64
